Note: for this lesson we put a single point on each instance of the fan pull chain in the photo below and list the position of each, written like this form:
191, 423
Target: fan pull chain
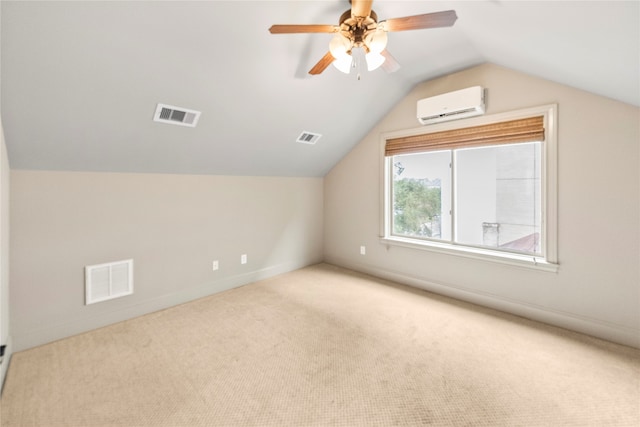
356, 65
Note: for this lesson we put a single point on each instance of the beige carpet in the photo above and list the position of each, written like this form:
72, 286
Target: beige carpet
325, 346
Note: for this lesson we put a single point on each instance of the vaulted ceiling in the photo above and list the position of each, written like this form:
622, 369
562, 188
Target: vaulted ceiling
81, 79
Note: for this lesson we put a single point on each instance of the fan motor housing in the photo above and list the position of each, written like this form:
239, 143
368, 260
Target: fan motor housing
356, 28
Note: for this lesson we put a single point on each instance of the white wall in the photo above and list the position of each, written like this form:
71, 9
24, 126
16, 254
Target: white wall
596, 289
173, 226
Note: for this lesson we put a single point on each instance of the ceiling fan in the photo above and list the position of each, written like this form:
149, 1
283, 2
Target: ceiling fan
359, 28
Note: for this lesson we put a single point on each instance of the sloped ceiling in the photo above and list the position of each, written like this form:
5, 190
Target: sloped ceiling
81, 79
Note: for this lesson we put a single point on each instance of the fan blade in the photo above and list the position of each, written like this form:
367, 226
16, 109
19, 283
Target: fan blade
418, 22
322, 64
361, 8
390, 65
289, 29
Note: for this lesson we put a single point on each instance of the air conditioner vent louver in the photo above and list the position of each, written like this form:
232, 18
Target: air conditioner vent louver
176, 115
466, 112
308, 137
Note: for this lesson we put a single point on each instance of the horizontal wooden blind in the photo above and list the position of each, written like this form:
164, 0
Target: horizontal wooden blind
521, 130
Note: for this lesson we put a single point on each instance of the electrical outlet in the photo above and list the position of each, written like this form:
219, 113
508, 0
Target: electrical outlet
363, 250
215, 265
243, 259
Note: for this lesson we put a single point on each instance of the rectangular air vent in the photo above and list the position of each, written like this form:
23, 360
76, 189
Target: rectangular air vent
107, 281
308, 137
176, 115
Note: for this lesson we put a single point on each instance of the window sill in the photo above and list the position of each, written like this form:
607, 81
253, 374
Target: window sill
526, 261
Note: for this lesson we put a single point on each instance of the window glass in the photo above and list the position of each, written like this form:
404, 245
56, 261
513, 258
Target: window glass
422, 195
497, 197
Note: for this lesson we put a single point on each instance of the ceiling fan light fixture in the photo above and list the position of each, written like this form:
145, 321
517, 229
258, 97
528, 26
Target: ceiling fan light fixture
374, 60
340, 48
376, 41
343, 64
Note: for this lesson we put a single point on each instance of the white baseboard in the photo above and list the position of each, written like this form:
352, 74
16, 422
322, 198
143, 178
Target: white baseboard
594, 327
54, 332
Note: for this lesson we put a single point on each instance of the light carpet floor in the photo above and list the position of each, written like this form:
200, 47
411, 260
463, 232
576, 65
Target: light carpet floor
325, 346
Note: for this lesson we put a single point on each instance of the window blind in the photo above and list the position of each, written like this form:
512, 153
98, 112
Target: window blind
509, 132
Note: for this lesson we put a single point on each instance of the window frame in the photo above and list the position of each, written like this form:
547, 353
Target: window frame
548, 260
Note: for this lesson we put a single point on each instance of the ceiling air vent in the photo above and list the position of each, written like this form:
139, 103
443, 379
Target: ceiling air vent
308, 138
176, 115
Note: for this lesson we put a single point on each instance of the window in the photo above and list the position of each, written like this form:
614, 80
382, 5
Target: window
483, 187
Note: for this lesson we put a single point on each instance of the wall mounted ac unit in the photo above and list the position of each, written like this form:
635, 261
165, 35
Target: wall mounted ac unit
462, 103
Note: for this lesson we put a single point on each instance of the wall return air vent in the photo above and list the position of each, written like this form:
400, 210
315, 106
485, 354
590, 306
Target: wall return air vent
176, 115
107, 281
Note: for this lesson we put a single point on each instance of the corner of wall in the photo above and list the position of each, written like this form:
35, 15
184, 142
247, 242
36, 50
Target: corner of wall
5, 337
